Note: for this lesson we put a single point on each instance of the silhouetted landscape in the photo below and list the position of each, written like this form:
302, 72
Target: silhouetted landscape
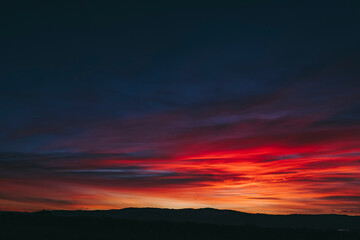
153, 223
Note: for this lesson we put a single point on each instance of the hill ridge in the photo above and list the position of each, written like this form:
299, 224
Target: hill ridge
217, 216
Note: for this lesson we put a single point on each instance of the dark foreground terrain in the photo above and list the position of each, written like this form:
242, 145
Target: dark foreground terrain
224, 217
56, 227
47, 225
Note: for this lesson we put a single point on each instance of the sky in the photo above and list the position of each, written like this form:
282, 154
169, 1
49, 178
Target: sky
251, 107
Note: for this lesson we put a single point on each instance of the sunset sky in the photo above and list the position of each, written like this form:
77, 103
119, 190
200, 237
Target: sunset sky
251, 107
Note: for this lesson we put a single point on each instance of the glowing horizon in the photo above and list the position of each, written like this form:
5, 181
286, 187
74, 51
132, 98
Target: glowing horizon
294, 166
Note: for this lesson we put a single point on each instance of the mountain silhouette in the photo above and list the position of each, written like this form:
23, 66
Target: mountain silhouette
222, 217
173, 224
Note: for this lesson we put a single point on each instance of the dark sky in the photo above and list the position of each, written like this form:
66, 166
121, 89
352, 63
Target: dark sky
227, 105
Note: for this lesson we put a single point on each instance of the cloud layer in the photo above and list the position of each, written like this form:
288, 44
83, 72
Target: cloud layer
284, 153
